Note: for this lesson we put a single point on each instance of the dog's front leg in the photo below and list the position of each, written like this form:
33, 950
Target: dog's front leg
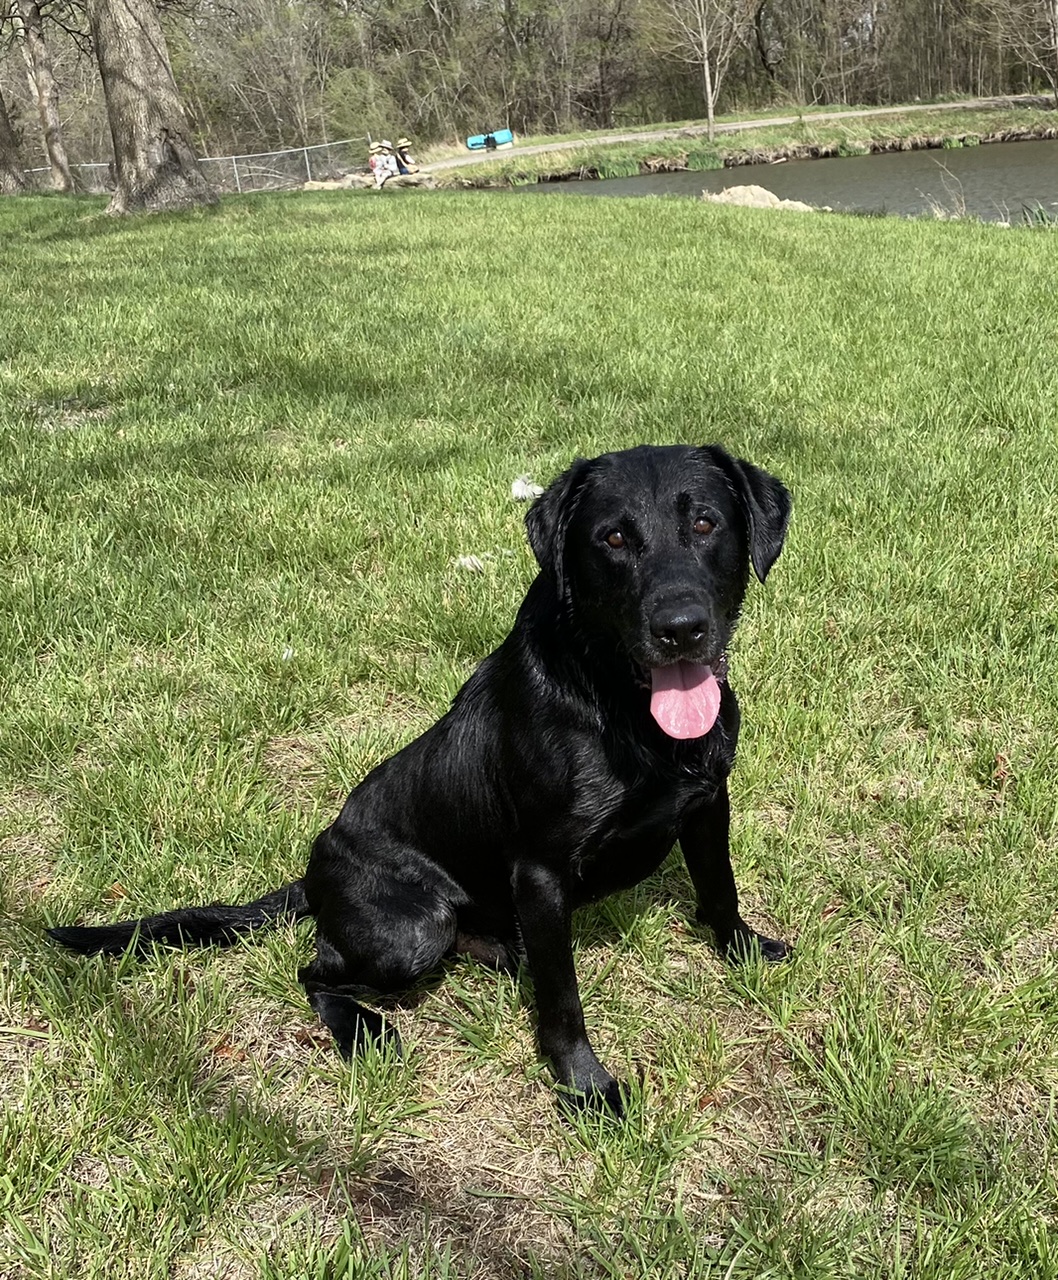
542, 904
704, 840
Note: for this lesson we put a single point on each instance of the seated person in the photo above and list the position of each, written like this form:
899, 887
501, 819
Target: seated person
383, 162
405, 162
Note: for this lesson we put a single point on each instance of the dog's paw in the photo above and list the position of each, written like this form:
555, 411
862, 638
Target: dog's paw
612, 1100
493, 952
745, 946
774, 949
354, 1028
587, 1086
599, 1098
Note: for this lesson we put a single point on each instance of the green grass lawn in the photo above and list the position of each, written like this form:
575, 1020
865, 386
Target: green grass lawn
240, 453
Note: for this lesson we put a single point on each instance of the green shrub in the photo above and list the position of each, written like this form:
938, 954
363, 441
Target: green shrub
704, 161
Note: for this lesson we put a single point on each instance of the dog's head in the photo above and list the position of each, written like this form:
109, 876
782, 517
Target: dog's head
649, 551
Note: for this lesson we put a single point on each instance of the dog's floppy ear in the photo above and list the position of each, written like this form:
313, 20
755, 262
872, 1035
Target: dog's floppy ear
767, 504
547, 520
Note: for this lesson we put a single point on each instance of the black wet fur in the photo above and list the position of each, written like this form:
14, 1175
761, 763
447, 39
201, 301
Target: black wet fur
217, 924
548, 783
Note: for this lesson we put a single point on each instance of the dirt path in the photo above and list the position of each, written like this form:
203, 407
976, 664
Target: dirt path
734, 126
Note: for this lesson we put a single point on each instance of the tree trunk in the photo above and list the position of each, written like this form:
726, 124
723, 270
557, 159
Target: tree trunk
12, 183
1052, 32
154, 159
762, 43
44, 88
707, 77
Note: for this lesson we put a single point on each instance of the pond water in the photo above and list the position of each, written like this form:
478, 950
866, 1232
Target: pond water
994, 182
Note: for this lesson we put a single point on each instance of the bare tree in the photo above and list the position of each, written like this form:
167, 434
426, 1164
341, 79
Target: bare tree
1028, 29
278, 73
12, 183
154, 158
705, 34
45, 90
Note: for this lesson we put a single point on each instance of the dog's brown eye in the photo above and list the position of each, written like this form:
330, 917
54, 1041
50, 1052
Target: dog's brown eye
703, 526
615, 539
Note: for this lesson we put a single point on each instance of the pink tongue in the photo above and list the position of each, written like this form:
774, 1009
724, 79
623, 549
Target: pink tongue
684, 699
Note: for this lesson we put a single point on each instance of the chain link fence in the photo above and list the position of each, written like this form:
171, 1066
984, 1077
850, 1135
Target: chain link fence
261, 171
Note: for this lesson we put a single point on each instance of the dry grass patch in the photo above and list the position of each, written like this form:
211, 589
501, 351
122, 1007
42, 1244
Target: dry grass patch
301, 766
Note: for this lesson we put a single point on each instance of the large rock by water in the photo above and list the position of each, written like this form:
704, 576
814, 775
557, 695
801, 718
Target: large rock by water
756, 198
356, 180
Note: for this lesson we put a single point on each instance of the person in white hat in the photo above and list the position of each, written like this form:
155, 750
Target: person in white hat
376, 164
392, 168
383, 162
405, 162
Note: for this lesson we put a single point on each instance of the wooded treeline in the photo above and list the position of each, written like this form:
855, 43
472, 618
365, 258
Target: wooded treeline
264, 74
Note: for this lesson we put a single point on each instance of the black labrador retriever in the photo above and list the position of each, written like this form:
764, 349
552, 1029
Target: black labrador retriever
599, 733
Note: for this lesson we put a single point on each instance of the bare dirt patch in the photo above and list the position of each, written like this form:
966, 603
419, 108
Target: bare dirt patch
297, 763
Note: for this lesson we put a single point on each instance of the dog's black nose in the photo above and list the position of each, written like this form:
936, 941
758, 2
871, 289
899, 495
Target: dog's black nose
679, 625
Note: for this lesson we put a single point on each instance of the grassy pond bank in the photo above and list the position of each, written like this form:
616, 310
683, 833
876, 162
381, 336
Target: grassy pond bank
809, 138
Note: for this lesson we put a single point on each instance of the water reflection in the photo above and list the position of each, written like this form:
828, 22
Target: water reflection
993, 182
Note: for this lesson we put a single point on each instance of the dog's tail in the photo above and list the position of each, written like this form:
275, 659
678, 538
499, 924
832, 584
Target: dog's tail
215, 925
